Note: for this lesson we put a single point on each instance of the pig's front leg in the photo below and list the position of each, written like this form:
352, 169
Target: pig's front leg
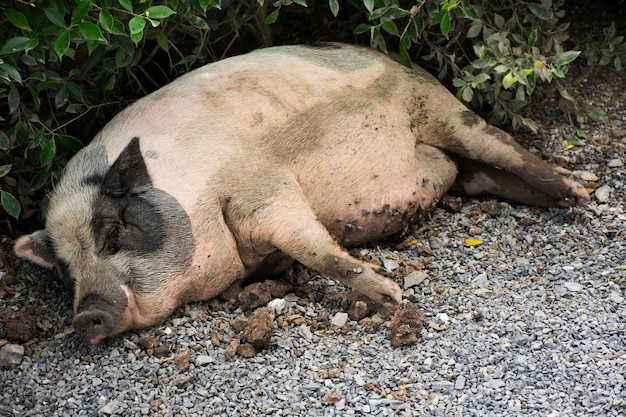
291, 226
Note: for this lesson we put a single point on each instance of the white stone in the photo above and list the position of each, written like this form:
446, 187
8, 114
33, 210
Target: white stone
109, 407
202, 360
603, 193
587, 175
573, 286
480, 280
414, 278
305, 332
390, 264
616, 298
278, 304
340, 319
615, 163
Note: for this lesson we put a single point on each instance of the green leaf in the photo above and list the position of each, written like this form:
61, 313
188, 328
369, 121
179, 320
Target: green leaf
540, 11
91, 32
62, 43
404, 56
301, 3
39, 180
17, 44
206, 3
126, 4
4, 141
11, 71
80, 11
61, 97
136, 26
334, 7
508, 81
17, 19
162, 41
159, 12
118, 28
10, 204
573, 140
445, 25
475, 29
390, 27
4, 169
55, 17
70, 143
468, 94
14, 99
272, 17
369, 5
362, 28
48, 152
566, 57
106, 20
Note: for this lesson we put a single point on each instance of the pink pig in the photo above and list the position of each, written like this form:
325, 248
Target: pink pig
253, 162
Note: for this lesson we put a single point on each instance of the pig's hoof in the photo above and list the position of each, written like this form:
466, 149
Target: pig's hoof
388, 294
577, 194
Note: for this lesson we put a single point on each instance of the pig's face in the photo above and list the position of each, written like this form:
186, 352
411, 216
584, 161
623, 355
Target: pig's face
118, 240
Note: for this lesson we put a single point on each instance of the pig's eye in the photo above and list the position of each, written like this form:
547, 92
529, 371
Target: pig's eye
112, 239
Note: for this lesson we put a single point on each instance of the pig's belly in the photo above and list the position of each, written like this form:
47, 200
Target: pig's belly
376, 192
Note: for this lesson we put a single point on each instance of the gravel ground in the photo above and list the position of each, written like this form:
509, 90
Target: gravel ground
529, 323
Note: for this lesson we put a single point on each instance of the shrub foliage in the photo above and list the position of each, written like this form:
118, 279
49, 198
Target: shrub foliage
66, 66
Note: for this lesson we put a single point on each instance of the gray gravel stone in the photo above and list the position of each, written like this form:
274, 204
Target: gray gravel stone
11, 354
414, 278
603, 193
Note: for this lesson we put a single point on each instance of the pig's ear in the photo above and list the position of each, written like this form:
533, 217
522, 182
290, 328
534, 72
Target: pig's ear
35, 248
128, 174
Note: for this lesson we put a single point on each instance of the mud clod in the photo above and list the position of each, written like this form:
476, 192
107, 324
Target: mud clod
254, 296
259, 328
146, 341
451, 204
246, 350
406, 325
182, 360
492, 208
358, 310
20, 326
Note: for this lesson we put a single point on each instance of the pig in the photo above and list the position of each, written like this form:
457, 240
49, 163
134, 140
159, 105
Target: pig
240, 167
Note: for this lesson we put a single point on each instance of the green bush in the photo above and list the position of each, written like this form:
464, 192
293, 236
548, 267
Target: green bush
67, 66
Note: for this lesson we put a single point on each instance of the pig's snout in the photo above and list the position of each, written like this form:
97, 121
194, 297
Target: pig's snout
94, 325
100, 317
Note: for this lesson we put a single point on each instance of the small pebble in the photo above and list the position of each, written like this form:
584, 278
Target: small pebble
573, 286
109, 408
615, 163
390, 264
202, 360
339, 319
11, 354
305, 332
278, 304
603, 193
414, 279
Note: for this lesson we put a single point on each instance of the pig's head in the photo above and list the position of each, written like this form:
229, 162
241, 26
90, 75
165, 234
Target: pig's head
116, 239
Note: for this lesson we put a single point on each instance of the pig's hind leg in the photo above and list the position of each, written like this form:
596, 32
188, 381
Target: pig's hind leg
465, 134
475, 178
